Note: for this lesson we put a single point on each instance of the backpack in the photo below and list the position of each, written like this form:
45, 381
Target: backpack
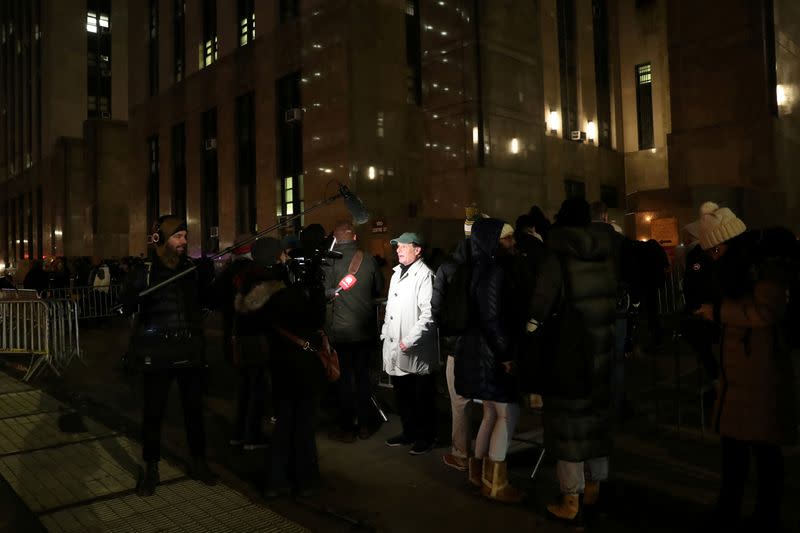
454, 315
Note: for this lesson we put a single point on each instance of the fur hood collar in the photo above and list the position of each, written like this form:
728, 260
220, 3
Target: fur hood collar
256, 297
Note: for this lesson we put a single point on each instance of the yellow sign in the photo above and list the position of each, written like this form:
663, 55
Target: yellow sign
665, 231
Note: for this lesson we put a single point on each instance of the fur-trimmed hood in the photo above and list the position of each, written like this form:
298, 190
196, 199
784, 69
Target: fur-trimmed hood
258, 295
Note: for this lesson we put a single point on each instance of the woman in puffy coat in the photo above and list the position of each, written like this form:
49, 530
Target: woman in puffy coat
485, 358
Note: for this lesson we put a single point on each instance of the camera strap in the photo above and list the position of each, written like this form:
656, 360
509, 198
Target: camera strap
355, 263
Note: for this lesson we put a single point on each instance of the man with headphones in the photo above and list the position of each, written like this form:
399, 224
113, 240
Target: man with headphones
167, 344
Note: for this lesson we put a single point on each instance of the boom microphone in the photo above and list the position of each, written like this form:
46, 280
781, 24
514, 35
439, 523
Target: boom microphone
354, 204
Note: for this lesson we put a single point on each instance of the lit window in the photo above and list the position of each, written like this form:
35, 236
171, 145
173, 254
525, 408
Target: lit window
104, 21
91, 22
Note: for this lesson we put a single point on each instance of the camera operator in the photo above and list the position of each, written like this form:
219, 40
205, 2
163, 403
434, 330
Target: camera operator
297, 312
168, 345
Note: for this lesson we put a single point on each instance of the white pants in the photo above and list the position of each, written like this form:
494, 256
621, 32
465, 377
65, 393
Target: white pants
572, 478
497, 429
458, 407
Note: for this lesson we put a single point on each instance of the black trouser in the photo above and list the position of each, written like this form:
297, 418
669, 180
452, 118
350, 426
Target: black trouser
416, 401
650, 303
156, 390
701, 335
293, 454
252, 392
354, 386
769, 484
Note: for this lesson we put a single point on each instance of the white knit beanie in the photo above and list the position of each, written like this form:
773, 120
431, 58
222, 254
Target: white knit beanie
717, 225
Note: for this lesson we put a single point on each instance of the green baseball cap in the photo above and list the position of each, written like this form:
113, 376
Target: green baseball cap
408, 237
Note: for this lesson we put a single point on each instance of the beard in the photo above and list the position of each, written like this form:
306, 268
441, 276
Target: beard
170, 256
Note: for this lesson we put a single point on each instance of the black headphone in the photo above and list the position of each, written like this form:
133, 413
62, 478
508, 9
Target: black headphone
155, 236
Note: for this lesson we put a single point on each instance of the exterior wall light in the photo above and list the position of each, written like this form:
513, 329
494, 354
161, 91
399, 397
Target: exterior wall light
591, 131
554, 121
371, 173
513, 146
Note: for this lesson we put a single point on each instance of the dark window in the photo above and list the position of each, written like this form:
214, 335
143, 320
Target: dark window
290, 148
602, 75
609, 196
12, 211
771, 64
210, 41
574, 189
152, 45
179, 170
246, 21
153, 210
179, 36
288, 10
209, 197
98, 32
29, 226
246, 167
21, 241
413, 52
39, 224
568, 66
644, 105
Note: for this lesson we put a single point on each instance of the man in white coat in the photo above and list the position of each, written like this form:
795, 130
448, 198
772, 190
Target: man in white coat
410, 345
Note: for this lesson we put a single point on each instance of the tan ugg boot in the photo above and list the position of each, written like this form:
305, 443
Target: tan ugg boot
495, 483
475, 471
591, 493
568, 510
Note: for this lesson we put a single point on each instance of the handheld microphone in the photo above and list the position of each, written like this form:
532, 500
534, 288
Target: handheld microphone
346, 283
354, 205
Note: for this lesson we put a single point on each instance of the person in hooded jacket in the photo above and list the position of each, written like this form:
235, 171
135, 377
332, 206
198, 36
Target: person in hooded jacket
254, 282
486, 357
575, 309
459, 450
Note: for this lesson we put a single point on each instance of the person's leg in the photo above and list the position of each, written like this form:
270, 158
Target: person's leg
458, 407
346, 387
156, 390
425, 408
305, 465
598, 469
483, 440
257, 384
192, 383
365, 411
769, 463
281, 444
735, 466
503, 431
403, 388
242, 402
571, 478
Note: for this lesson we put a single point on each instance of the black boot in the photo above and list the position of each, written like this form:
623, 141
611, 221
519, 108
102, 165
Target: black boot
200, 471
148, 479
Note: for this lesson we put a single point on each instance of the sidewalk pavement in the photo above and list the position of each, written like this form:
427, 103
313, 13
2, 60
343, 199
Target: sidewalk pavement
77, 475
661, 481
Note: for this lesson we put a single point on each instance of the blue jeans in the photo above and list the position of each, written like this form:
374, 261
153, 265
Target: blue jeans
571, 476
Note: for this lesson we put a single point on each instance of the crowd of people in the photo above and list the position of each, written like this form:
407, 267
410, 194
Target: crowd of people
549, 310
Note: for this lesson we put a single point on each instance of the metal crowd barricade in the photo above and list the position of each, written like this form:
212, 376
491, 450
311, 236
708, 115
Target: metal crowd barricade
44, 330
92, 302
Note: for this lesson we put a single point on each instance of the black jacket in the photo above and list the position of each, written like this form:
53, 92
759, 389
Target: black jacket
576, 304
168, 326
351, 315
254, 285
444, 276
490, 340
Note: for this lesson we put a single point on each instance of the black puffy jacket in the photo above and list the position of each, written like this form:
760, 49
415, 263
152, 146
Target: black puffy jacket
168, 328
444, 276
490, 341
577, 391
